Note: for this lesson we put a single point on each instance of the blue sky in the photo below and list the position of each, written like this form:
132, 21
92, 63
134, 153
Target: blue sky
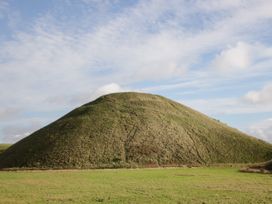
214, 56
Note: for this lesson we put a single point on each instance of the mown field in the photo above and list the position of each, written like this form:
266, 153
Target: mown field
169, 185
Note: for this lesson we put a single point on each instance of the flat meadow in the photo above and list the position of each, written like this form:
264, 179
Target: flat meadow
149, 185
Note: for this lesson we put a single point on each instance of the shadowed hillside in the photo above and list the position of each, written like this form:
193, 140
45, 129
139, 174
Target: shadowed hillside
268, 165
134, 129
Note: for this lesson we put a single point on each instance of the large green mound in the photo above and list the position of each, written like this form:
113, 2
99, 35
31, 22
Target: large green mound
134, 129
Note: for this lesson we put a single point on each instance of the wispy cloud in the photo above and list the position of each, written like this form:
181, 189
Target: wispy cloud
262, 129
251, 102
9, 112
242, 57
107, 89
234, 58
3, 8
15, 132
261, 97
227, 106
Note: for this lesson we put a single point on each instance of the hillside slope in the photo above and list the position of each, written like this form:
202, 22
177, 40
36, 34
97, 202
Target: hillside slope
3, 147
128, 129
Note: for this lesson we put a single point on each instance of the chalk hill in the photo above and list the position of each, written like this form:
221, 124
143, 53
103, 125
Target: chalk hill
134, 129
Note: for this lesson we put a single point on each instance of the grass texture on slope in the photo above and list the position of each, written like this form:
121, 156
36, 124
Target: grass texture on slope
134, 129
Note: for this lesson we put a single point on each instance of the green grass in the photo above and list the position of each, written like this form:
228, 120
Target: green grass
173, 185
3, 147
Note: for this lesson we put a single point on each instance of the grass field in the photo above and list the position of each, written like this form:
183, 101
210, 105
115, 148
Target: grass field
171, 185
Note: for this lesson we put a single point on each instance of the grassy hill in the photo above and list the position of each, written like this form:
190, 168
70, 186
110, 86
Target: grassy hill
134, 129
3, 147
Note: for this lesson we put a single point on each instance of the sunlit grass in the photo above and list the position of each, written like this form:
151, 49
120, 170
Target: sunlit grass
171, 185
3, 147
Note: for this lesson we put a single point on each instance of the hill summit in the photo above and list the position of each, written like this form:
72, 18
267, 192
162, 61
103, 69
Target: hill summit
134, 129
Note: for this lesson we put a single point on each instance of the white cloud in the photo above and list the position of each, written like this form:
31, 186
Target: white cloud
252, 102
227, 106
9, 113
179, 85
107, 89
11, 139
16, 131
243, 57
234, 58
263, 96
85, 97
262, 130
218, 5
214, 106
